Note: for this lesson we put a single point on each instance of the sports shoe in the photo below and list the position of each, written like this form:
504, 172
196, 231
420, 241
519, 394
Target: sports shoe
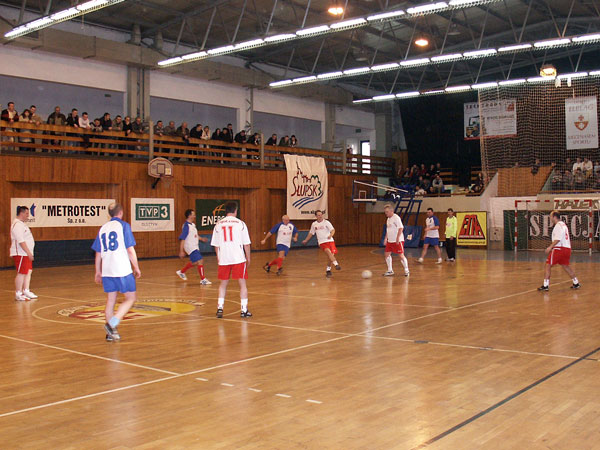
20, 297
246, 314
544, 288
407, 273
181, 275
267, 267
338, 267
205, 282
219, 313
109, 338
30, 295
328, 274
389, 273
420, 260
114, 334
280, 271
439, 261
575, 286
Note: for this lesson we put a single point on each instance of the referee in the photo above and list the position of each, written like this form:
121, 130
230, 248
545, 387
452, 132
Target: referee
451, 234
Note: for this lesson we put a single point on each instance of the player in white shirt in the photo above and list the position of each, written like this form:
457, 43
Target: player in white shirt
324, 231
394, 241
432, 236
232, 244
115, 257
189, 245
286, 231
559, 252
21, 250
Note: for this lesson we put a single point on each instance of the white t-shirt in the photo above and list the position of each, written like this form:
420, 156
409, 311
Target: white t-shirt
588, 165
229, 236
112, 242
20, 232
284, 233
394, 223
432, 221
560, 233
322, 230
577, 165
189, 236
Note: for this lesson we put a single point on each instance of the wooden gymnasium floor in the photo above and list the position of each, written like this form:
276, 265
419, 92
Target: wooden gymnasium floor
461, 356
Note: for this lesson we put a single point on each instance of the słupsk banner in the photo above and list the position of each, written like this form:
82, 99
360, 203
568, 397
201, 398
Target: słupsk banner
306, 186
581, 121
472, 228
64, 212
152, 214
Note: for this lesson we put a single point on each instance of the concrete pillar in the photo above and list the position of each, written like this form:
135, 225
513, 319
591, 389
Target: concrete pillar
329, 127
138, 93
383, 131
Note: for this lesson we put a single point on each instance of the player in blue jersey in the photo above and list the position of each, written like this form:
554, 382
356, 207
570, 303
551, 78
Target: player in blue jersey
286, 231
189, 245
432, 236
115, 258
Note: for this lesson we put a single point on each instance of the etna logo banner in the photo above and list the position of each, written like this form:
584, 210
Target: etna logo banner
64, 212
210, 211
152, 214
472, 229
306, 186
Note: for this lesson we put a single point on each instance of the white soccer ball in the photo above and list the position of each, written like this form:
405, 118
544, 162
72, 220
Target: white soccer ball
367, 274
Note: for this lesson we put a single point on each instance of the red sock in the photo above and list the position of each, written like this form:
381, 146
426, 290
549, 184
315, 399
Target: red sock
279, 262
201, 271
274, 262
187, 267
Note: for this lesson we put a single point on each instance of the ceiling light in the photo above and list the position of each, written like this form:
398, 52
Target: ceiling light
312, 30
168, 62
247, 44
480, 53
434, 91
280, 83
586, 38
39, 22
427, 8
218, 50
91, 4
414, 62
15, 31
465, 87
463, 2
386, 15
363, 100
324, 76
594, 73
357, 70
195, 55
304, 79
422, 42
514, 48
384, 97
491, 84
547, 70
511, 82
408, 94
442, 58
552, 43
384, 66
348, 23
279, 37
573, 75
336, 10
64, 14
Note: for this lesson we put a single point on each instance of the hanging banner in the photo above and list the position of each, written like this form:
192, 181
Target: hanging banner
64, 212
581, 121
306, 186
498, 118
152, 214
210, 211
471, 118
472, 228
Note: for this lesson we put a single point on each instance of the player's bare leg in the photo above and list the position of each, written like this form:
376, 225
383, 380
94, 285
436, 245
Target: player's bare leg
221, 301
125, 306
109, 311
115, 317
333, 261
571, 273
244, 298
423, 253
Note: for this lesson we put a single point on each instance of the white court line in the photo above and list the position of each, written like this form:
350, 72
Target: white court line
202, 379
139, 366
314, 401
254, 390
227, 384
283, 395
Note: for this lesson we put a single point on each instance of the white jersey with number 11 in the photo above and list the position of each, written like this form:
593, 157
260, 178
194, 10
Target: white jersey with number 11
229, 236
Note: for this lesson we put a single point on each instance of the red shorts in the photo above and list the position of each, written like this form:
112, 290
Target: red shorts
559, 255
329, 245
394, 247
233, 272
23, 264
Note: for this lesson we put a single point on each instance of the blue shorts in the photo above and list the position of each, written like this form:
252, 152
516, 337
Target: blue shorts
283, 248
432, 241
119, 284
195, 256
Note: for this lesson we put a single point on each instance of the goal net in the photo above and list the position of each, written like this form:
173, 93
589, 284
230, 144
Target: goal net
533, 227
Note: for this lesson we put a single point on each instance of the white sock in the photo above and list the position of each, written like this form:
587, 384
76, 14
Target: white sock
388, 261
575, 280
328, 268
244, 304
335, 263
546, 283
404, 262
221, 302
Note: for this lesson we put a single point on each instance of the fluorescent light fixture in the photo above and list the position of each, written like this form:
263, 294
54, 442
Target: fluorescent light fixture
572, 75
539, 79
312, 30
552, 43
384, 66
16, 31
464, 87
386, 15
246, 44
428, 7
442, 58
280, 37
64, 14
218, 50
463, 2
348, 23
434, 91
304, 79
357, 70
587, 38
408, 94
594, 73
379, 98
168, 62
511, 82
514, 48
324, 76
480, 53
91, 4
39, 22
414, 62
491, 84
363, 100
195, 55
280, 83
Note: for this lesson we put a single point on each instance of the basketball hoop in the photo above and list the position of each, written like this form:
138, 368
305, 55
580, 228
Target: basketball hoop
161, 169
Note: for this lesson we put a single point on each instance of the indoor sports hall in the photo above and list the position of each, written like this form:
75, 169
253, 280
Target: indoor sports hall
299, 224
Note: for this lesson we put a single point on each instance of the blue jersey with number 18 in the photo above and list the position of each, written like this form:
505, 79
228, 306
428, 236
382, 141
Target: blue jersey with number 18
112, 242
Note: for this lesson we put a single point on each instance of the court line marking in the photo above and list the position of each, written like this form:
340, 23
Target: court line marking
254, 390
89, 355
227, 384
283, 395
309, 400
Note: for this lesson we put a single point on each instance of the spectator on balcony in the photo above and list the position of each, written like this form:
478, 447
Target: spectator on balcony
240, 138
216, 136
423, 170
437, 185
284, 141
206, 133
9, 115
127, 126
35, 117
578, 165
137, 126
424, 183
183, 132
171, 129
579, 179
431, 172
56, 118
536, 167
479, 184
83, 122
568, 180
117, 124
588, 168
73, 119
293, 141
25, 117
159, 129
227, 135
254, 139
272, 140
196, 132
230, 131
106, 122
96, 128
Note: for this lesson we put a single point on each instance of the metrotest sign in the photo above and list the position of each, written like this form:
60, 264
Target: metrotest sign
152, 214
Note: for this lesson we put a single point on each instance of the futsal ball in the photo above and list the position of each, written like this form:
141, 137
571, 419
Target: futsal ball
367, 274
409, 237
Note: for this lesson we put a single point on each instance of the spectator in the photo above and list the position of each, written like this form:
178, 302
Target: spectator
414, 175
240, 138
159, 129
588, 168
597, 167
438, 168
227, 135
216, 136
272, 140
106, 122
170, 130
127, 126
479, 184
437, 186
536, 167
117, 124
196, 132
568, 164
83, 122
284, 141
579, 179
556, 182
254, 139
424, 183
9, 115
73, 119
431, 172
137, 127
205, 133
183, 132
293, 141
25, 117
578, 165
56, 118
96, 128
423, 170
34, 116
568, 180
230, 131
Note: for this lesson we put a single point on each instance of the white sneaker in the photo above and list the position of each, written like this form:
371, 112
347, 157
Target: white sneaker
181, 275
205, 282
389, 273
420, 260
20, 297
439, 261
407, 273
30, 295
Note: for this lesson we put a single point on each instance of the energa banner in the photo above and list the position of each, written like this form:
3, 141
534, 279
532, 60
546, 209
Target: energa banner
306, 186
472, 228
581, 120
209, 211
152, 214
64, 212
